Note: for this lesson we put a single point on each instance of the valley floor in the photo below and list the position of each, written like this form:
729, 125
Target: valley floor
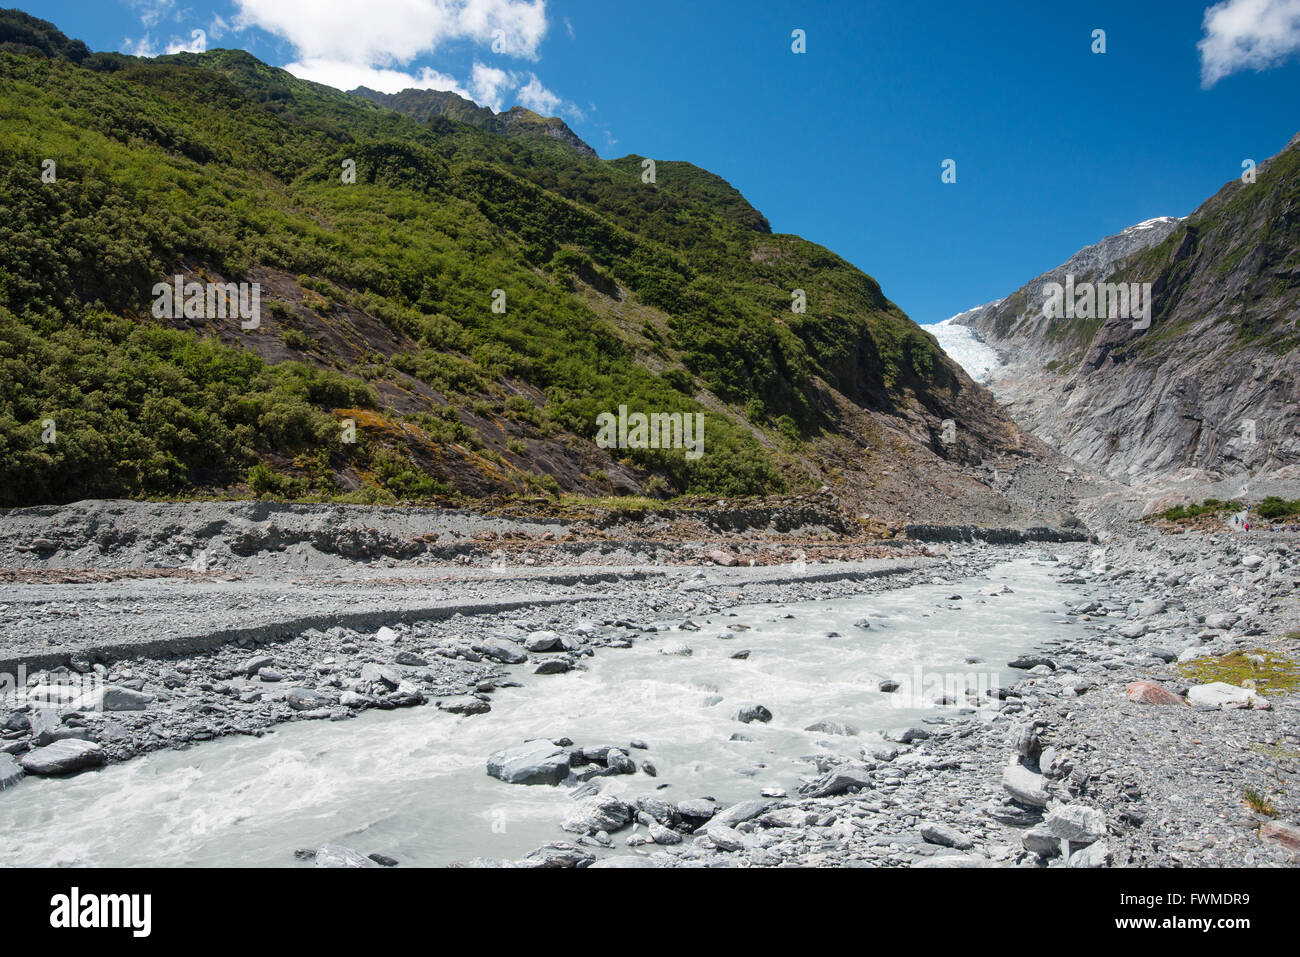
200, 632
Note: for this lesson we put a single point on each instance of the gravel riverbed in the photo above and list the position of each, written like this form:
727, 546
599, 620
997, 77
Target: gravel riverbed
1113, 749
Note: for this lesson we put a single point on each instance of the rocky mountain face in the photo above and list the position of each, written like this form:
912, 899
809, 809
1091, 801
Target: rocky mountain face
425, 105
1211, 384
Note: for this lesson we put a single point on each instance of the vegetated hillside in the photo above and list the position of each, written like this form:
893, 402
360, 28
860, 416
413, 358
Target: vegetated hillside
425, 105
1213, 384
377, 307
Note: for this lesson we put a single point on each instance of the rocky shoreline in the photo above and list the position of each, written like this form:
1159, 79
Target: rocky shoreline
1098, 756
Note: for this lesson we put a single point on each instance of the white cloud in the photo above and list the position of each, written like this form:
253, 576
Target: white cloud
343, 75
153, 12
490, 84
393, 32
541, 100
143, 47
1247, 35
197, 43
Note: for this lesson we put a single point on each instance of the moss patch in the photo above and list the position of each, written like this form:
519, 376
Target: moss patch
1277, 673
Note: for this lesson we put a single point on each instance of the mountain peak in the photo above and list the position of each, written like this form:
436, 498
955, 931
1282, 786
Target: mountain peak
518, 121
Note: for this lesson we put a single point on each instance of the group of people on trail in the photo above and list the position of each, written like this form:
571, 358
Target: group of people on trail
1247, 524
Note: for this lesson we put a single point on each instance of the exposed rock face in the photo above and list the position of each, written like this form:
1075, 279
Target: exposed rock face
1212, 384
424, 105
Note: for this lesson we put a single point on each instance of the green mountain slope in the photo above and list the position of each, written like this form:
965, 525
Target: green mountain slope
377, 304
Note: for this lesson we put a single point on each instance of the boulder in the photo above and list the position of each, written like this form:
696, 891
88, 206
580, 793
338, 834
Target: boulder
677, 648
558, 854
946, 836
1149, 692
739, 813
1039, 840
1076, 823
837, 781
380, 675
1025, 786
1025, 662
10, 772
305, 699
724, 838
664, 835
501, 649
536, 762
619, 762
64, 757
1094, 855
753, 713
1219, 694
464, 704
603, 812
828, 726
1277, 832
335, 855
255, 664
694, 811
112, 699
542, 641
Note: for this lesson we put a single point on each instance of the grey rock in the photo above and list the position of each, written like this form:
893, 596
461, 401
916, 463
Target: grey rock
64, 757
664, 835
1025, 786
753, 713
603, 812
335, 855
946, 836
558, 854
1077, 823
1041, 841
827, 726
536, 762
1094, 855
837, 781
740, 813
255, 664
501, 649
10, 772
724, 838
303, 699
464, 704
124, 699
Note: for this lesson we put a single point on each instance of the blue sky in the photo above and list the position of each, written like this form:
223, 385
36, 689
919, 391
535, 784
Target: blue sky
1055, 146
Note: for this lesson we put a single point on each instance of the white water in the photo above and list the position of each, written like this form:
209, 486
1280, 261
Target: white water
412, 784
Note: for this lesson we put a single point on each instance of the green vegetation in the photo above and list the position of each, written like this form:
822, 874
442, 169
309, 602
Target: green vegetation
1258, 802
1271, 672
221, 163
1274, 508
1211, 506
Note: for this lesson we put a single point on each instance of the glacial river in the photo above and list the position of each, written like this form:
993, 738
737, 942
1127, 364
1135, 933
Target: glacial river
411, 783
